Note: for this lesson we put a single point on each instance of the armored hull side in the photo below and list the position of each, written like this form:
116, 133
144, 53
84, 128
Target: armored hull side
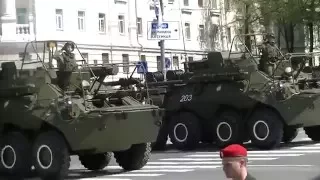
301, 109
113, 130
206, 99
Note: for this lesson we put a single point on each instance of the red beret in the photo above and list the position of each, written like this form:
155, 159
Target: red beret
233, 150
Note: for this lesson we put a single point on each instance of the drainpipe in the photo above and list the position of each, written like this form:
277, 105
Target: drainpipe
110, 29
137, 35
129, 22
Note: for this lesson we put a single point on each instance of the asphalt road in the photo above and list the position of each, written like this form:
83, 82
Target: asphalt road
299, 161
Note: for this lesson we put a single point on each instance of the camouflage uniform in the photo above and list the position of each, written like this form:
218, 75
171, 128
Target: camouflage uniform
269, 56
250, 177
66, 65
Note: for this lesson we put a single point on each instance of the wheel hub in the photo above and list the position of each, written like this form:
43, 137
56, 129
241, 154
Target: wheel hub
44, 156
224, 131
8, 157
180, 132
261, 130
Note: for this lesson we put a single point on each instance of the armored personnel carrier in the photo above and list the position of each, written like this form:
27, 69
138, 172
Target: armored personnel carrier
43, 122
225, 101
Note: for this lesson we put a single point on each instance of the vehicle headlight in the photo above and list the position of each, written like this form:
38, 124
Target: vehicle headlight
288, 70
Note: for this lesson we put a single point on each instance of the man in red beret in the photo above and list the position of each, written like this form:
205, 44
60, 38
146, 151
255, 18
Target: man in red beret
234, 161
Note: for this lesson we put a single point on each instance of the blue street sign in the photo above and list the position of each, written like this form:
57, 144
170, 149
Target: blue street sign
142, 67
167, 62
159, 26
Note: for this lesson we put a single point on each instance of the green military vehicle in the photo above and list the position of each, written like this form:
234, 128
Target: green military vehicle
225, 101
43, 122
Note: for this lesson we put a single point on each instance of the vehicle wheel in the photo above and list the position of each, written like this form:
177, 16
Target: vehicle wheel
313, 132
51, 156
162, 138
134, 158
15, 152
229, 129
289, 134
95, 162
265, 128
185, 132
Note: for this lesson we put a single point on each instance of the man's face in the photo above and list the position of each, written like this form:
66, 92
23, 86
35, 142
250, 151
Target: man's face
232, 166
68, 48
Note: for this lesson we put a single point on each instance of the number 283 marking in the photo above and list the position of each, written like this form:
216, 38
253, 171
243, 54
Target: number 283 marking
185, 98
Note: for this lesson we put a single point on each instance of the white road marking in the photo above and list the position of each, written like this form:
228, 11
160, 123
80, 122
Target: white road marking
184, 163
137, 175
306, 147
102, 178
282, 165
163, 170
251, 155
172, 167
283, 151
211, 159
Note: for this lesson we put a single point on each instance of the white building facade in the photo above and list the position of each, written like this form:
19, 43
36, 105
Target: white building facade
115, 31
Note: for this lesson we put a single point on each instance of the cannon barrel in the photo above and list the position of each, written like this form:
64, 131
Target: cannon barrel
122, 82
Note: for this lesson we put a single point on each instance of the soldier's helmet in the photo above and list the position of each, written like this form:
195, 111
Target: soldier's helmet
68, 44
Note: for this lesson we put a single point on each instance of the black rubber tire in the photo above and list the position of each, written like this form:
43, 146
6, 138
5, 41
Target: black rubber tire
134, 158
289, 134
22, 149
162, 138
275, 126
60, 162
95, 162
193, 128
234, 121
313, 132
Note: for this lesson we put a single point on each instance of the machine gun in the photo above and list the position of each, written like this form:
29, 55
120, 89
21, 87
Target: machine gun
100, 73
123, 82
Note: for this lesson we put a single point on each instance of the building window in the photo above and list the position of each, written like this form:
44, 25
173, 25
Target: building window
229, 34
170, 1
125, 61
59, 19
214, 4
102, 22
187, 31
121, 24
22, 17
95, 62
105, 58
85, 56
159, 64
200, 3
201, 32
81, 20
139, 26
190, 59
143, 58
186, 2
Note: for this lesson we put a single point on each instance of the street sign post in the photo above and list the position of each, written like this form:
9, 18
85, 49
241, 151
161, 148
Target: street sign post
142, 67
167, 30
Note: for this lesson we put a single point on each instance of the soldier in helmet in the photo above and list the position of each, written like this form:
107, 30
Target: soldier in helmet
66, 64
269, 56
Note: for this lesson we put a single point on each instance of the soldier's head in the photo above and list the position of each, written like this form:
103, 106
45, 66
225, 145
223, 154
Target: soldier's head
234, 160
68, 47
271, 39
